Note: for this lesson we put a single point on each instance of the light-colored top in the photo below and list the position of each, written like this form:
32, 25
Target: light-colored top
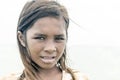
66, 76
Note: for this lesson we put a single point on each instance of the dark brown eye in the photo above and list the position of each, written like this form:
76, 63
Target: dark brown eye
59, 38
40, 38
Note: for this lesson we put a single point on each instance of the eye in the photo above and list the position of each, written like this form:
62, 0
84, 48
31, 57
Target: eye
59, 39
40, 38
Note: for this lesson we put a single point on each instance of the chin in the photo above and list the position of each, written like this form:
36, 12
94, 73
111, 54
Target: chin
48, 66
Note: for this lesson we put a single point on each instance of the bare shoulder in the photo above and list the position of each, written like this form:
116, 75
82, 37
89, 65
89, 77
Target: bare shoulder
80, 76
10, 77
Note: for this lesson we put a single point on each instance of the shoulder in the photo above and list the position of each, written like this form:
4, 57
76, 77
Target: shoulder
10, 77
81, 76
77, 74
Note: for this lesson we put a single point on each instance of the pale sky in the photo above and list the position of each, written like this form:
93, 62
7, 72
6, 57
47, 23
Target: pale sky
99, 21
94, 28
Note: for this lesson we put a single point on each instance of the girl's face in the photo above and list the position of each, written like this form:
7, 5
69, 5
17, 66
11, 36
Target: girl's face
46, 41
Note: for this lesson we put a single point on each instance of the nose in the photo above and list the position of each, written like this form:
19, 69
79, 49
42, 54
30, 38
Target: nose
50, 47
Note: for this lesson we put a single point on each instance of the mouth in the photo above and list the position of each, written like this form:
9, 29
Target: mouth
47, 59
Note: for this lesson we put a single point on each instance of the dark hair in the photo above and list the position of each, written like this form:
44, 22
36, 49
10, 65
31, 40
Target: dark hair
40, 8
31, 12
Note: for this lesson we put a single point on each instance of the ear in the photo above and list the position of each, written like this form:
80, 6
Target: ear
21, 38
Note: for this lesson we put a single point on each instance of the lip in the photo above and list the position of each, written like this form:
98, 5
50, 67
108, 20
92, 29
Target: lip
47, 59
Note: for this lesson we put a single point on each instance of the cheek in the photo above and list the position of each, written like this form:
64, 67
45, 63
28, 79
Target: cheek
34, 48
61, 48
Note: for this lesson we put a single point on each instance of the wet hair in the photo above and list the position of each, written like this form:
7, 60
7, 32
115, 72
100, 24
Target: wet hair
32, 11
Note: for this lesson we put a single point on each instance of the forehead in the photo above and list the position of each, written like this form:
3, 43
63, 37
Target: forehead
49, 25
50, 20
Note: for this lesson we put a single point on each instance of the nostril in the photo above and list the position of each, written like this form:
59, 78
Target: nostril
50, 50
50, 47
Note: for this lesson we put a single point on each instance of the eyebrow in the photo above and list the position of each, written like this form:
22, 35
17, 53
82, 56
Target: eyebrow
60, 35
39, 34
57, 35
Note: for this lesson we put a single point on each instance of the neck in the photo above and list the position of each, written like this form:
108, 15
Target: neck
50, 74
51, 70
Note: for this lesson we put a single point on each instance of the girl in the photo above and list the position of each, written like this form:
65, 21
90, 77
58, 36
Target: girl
42, 34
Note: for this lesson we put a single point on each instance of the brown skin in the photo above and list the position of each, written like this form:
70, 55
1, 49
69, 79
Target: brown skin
46, 41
